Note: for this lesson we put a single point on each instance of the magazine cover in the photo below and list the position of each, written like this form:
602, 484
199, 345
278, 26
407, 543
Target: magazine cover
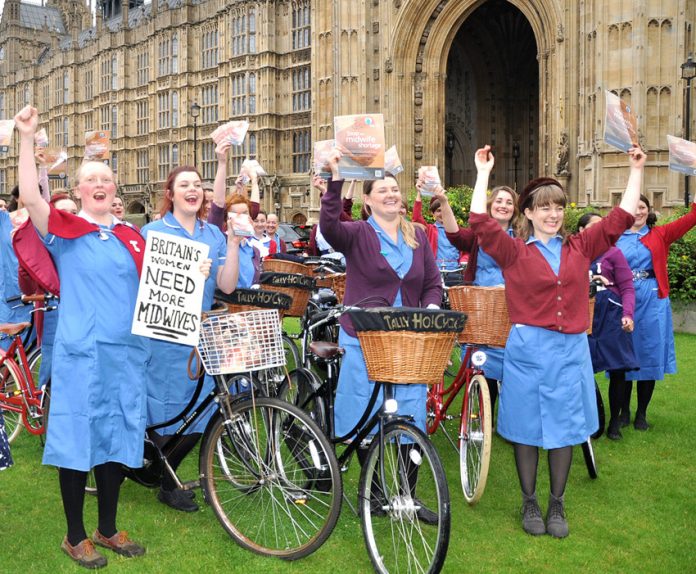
361, 141
6, 129
430, 178
55, 159
251, 164
97, 145
321, 153
620, 128
682, 155
234, 132
392, 163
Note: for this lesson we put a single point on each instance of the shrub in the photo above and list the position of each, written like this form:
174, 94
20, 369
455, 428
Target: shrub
681, 263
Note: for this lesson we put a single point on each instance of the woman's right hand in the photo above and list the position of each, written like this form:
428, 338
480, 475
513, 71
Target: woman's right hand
332, 160
27, 120
637, 157
483, 158
222, 149
440, 194
319, 184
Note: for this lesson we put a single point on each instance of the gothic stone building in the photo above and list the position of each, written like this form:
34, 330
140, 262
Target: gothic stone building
527, 76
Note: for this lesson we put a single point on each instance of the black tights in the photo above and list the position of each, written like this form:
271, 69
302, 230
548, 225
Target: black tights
617, 394
527, 459
72, 489
645, 393
185, 445
493, 392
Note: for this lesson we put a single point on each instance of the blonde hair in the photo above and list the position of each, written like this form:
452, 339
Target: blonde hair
541, 197
407, 230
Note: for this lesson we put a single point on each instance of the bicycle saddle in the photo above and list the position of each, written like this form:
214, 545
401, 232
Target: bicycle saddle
324, 349
12, 329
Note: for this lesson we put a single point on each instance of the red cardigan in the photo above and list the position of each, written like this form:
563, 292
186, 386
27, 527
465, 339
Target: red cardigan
430, 229
535, 295
658, 240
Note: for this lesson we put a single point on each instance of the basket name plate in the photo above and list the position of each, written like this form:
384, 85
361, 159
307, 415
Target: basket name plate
257, 298
406, 319
287, 280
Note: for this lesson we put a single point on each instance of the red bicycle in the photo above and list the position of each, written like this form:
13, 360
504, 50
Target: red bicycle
23, 403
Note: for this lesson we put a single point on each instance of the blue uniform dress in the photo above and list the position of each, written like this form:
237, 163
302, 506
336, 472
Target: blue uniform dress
653, 336
9, 284
447, 254
247, 271
169, 388
98, 375
547, 397
354, 388
489, 274
5, 454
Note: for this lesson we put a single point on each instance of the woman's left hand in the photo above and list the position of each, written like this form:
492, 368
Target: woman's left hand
627, 324
206, 264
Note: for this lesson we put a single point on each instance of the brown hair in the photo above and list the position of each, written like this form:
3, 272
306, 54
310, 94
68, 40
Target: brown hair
515, 198
235, 199
651, 220
167, 203
541, 196
407, 229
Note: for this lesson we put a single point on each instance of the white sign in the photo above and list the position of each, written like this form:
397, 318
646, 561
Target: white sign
170, 296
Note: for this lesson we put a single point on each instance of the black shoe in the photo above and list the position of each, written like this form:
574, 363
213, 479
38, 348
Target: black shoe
640, 423
424, 514
190, 493
556, 524
377, 507
613, 431
532, 522
177, 499
625, 418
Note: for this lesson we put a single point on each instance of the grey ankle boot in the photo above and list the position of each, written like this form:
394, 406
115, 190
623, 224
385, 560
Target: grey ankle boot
556, 524
532, 522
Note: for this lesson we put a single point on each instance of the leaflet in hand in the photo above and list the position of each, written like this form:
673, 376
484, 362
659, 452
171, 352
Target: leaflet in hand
429, 178
41, 138
682, 155
322, 149
97, 145
240, 224
392, 163
55, 159
233, 132
620, 128
360, 138
249, 164
6, 129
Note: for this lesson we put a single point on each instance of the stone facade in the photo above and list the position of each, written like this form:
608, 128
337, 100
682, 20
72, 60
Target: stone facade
527, 76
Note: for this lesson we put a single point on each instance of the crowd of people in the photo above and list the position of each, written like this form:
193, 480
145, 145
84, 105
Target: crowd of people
108, 384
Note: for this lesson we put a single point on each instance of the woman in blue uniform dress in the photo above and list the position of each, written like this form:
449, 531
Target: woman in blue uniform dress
547, 397
97, 416
482, 269
169, 388
646, 248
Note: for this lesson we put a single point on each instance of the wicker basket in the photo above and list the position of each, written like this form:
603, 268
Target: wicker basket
406, 356
486, 309
334, 281
489, 322
285, 266
297, 286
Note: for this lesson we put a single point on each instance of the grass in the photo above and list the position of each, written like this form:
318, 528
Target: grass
638, 516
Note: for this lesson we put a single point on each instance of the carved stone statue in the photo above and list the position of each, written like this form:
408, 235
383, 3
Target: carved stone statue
562, 156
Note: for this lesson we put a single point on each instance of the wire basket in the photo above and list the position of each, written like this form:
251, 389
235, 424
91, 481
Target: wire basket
285, 266
488, 323
241, 342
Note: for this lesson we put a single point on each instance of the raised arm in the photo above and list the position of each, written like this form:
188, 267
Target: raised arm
332, 228
484, 161
26, 122
220, 183
255, 198
449, 221
629, 201
417, 215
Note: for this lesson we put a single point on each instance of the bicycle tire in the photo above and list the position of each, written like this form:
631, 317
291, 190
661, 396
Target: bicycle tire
292, 353
301, 390
475, 438
271, 478
397, 540
9, 384
590, 460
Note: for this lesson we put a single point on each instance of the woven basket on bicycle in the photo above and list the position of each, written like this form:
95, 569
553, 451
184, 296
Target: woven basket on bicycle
241, 342
254, 299
284, 266
489, 322
406, 345
297, 286
486, 309
334, 281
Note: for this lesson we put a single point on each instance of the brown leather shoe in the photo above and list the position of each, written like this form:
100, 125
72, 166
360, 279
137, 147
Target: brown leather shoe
119, 543
84, 554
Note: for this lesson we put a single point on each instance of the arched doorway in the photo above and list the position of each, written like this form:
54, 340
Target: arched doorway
492, 96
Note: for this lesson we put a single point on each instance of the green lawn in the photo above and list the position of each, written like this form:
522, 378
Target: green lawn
639, 516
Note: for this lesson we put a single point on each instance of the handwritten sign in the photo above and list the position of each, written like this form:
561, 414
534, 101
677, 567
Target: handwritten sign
682, 155
620, 128
170, 296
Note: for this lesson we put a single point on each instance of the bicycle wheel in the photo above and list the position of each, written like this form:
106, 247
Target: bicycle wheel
271, 478
475, 436
292, 353
590, 461
301, 390
9, 385
405, 517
